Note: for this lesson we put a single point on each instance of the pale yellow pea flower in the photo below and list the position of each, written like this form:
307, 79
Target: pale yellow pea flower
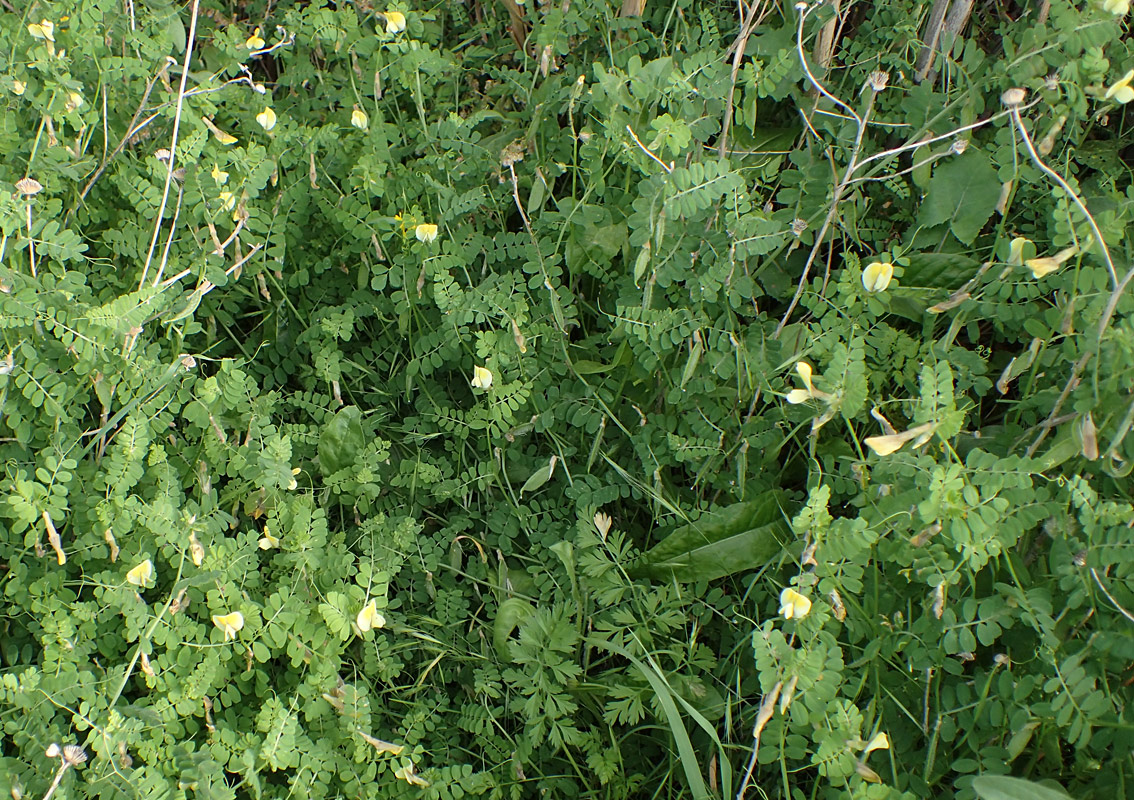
142, 574
255, 41
880, 742
1119, 8
877, 276
425, 233
359, 119
267, 118
794, 605
1016, 251
1049, 264
18, 87
228, 201
797, 396
219, 175
268, 541
395, 22
407, 774
74, 101
1122, 92
369, 618
218, 134
893, 442
229, 623
44, 29
482, 378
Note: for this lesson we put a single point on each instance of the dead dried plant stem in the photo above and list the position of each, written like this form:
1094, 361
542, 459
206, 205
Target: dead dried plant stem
667, 167
1066, 187
190, 41
750, 18
767, 709
131, 130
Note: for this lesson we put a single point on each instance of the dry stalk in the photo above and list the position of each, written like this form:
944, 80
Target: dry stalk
1012, 100
191, 40
751, 15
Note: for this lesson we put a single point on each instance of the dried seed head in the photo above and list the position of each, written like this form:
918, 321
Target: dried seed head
959, 146
73, 754
878, 80
28, 187
1013, 97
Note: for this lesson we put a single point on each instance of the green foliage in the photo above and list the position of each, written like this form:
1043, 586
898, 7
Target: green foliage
452, 417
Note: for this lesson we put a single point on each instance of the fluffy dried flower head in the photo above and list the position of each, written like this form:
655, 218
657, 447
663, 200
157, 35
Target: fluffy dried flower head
1013, 97
28, 186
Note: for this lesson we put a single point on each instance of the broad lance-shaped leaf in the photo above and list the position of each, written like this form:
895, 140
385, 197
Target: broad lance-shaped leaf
1003, 787
737, 538
341, 441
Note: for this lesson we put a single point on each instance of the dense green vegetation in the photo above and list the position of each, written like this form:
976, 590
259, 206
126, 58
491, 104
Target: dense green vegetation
565, 400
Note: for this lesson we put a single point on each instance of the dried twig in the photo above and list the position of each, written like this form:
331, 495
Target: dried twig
751, 15
173, 141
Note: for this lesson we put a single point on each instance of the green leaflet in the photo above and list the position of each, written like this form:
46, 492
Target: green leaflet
738, 538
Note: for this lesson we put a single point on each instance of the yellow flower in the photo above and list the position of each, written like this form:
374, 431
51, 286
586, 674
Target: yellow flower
1049, 264
228, 200
1122, 92
407, 774
425, 233
218, 134
395, 22
268, 541
794, 605
74, 101
482, 378
797, 396
879, 742
219, 175
876, 277
267, 118
229, 623
893, 442
1016, 251
369, 618
358, 119
44, 29
255, 42
142, 574
18, 87
196, 550
1117, 7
